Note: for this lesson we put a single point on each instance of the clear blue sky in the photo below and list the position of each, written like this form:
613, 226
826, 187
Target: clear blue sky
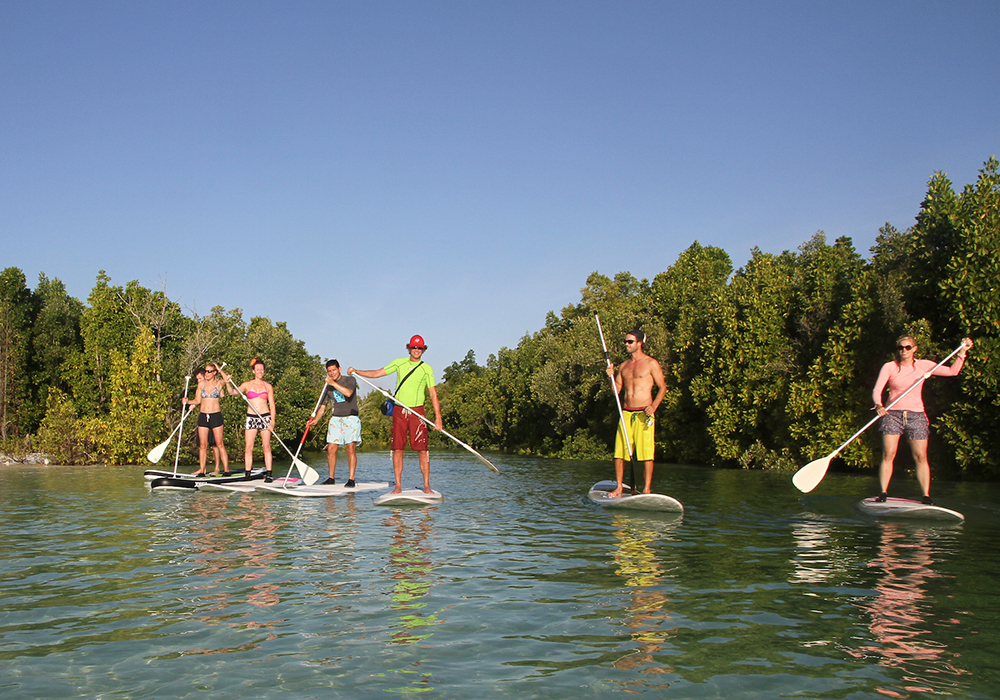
322, 162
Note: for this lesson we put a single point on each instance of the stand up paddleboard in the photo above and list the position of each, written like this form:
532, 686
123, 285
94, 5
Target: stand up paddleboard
906, 508
151, 474
600, 493
319, 490
410, 497
245, 487
172, 484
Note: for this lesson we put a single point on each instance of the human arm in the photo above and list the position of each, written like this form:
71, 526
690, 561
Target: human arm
883, 379
313, 420
955, 367
270, 405
370, 373
438, 421
661, 388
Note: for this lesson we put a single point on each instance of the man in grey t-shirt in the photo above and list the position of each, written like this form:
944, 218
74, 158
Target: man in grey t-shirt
341, 393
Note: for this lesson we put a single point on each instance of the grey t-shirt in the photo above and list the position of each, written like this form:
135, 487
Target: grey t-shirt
339, 404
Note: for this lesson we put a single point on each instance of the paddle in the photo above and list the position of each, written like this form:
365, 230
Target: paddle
808, 477
157, 452
618, 403
309, 475
180, 435
303, 440
428, 422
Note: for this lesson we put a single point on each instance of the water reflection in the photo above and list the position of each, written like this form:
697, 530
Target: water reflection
646, 615
410, 569
250, 561
901, 617
819, 557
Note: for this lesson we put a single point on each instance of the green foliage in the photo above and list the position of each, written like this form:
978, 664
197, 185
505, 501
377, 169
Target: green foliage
138, 402
59, 435
15, 338
766, 367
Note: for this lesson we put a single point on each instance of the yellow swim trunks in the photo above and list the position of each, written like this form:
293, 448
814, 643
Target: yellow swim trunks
640, 435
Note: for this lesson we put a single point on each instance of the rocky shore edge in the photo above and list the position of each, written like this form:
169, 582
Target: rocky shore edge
31, 458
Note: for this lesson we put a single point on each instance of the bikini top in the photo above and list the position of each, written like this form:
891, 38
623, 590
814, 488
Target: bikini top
251, 394
213, 395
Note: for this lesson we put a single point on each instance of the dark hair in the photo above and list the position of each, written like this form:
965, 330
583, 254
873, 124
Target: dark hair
332, 363
198, 370
257, 361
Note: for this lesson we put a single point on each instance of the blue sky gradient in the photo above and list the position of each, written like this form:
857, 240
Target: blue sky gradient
321, 162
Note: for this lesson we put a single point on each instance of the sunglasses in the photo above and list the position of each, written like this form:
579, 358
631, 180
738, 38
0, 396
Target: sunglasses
904, 347
418, 347
629, 342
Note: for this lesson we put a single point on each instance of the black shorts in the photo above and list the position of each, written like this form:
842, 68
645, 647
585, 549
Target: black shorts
210, 420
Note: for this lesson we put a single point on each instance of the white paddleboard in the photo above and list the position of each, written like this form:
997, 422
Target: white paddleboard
601, 493
906, 508
410, 497
319, 490
244, 487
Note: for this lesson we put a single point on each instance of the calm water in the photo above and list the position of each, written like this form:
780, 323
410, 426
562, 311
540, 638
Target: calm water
515, 586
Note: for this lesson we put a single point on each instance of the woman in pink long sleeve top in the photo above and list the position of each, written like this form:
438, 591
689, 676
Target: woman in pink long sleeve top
907, 417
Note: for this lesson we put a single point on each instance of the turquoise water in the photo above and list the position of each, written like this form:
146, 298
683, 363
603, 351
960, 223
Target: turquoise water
515, 586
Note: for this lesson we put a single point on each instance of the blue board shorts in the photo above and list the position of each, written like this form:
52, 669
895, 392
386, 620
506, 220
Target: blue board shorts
913, 424
344, 430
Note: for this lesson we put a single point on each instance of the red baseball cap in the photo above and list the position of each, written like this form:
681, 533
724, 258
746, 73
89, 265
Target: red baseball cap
417, 342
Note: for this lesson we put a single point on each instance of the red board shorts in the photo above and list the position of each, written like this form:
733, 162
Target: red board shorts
405, 423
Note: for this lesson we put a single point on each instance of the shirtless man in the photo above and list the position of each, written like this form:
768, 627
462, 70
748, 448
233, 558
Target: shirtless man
638, 374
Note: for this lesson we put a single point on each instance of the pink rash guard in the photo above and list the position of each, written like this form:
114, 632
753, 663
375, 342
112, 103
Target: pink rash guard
900, 378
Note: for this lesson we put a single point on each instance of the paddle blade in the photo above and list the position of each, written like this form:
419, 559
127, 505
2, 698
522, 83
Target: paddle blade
808, 477
487, 462
309, 475
157, 452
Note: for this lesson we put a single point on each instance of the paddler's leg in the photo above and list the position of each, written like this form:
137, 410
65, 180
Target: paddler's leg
923, 467
425, 468
619, 475
890, 444
397, 469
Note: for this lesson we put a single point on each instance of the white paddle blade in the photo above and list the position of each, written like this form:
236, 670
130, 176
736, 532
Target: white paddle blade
808, 477
157, 452
309, 475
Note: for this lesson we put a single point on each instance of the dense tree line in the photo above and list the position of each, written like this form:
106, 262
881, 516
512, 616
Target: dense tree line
102, 381
769, 365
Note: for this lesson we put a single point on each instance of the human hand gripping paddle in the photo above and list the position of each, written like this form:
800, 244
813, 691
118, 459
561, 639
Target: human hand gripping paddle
808, 477
618, 403
428, 422
157, 452
309, 475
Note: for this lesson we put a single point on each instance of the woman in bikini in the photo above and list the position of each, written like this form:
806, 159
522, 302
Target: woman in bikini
261, 416
208, 396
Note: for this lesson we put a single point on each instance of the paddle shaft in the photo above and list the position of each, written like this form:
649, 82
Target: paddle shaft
303, 440
618, 403
389, 396
180, 435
